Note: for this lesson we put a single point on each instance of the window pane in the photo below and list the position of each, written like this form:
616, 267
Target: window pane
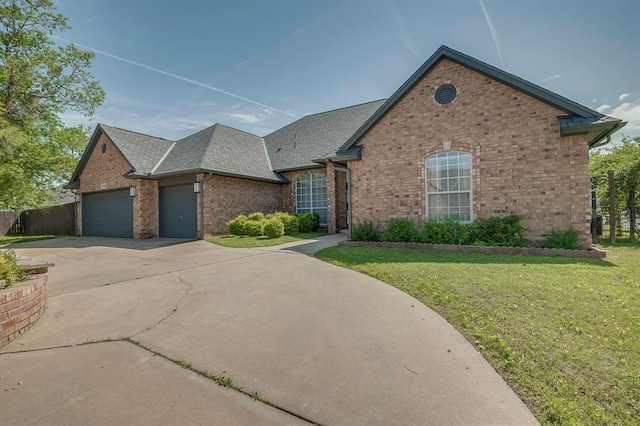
311, 195
448, 186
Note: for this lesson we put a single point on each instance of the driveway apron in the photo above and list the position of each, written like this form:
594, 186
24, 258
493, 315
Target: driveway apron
323, 343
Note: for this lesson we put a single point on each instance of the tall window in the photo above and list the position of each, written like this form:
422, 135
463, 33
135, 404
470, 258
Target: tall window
449, 186
311, 195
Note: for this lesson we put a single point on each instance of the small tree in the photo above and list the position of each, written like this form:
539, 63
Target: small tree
624, 159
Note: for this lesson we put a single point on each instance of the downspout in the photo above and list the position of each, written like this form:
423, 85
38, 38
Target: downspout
201, 197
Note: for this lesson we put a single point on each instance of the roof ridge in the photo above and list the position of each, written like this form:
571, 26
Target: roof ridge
239, 130
166, 154
133, 131
212, 127
341, 108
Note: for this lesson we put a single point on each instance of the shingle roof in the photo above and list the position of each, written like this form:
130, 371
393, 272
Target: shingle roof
142, 151
220, 149
316, 136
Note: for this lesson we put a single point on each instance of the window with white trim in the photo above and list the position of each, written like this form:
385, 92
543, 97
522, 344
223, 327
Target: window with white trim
311, 195
448, 186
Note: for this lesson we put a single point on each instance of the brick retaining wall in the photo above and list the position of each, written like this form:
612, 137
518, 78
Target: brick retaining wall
21, 306
529, 251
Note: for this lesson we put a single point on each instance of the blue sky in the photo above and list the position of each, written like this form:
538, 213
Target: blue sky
171, 68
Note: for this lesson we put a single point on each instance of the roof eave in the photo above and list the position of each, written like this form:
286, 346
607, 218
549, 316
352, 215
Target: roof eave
598, 134
277, 178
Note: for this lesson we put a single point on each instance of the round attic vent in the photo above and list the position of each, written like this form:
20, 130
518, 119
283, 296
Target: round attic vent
445, 94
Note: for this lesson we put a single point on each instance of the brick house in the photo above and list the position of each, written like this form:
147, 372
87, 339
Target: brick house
459, 139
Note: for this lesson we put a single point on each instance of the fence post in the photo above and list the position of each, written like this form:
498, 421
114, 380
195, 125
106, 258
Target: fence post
612, 206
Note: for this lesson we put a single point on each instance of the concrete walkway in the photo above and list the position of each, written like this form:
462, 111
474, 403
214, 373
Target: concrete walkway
321, 343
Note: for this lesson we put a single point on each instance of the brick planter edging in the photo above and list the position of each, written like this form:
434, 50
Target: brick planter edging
21, 306
529, 251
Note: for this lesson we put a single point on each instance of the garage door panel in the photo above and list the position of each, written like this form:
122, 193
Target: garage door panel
178, 212
107, 214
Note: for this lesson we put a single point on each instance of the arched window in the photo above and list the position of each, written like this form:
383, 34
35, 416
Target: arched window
448, 184
311, 195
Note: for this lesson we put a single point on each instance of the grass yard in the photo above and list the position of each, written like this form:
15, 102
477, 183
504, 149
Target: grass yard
564, 333
23, 239
234, 241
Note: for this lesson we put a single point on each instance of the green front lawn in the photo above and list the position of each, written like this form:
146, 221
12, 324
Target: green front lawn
234, 241
564, 333
23, 238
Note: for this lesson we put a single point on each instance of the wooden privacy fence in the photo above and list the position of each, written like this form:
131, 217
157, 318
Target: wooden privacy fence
57, 220
7, 220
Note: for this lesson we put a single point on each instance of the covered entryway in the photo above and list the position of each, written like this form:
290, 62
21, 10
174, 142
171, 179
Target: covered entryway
178, 212
107, 214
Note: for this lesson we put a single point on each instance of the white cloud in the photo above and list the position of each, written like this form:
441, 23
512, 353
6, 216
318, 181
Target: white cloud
603, 108
246, 118
185, 124
623, 97
552, 77
629, 112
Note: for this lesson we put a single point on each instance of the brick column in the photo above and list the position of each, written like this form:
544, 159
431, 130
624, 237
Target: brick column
332, 199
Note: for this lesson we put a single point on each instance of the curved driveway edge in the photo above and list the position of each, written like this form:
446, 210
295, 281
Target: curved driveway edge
327, 343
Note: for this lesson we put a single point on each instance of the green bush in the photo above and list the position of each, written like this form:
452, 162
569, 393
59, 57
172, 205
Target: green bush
253, 228
400, 230
308, 222
289, 221
257, 216
9, 269
498, 231
562, 240
365, 231
236, 225
447, 232
273, 227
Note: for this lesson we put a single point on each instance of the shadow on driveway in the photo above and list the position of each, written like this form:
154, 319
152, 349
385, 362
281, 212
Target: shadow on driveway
84, 242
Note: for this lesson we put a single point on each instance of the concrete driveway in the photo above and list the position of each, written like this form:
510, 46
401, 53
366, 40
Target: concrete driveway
321, 343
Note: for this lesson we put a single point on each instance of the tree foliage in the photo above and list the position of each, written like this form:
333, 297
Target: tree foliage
39, 80
624, 160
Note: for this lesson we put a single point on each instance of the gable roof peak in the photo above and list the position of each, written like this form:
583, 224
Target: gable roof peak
522, 85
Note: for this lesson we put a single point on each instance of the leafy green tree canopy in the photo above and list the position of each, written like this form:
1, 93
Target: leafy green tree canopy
39, 80
624, 160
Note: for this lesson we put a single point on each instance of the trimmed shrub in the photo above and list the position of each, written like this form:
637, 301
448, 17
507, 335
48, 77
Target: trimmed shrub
562, 240
400, 230
253, 228
9, 269
498, 231
273, 227
447, 232
365, 231
289, 221
236, 225
257, 216
308, 222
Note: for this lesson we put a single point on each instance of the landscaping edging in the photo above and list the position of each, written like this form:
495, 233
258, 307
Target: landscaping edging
529, 251
21, 306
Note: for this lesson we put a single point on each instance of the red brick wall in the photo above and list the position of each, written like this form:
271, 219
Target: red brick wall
520, 163
145, 209
227, 197
105, 172
21, 306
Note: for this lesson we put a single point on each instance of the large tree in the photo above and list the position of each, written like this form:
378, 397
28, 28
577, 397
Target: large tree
39, 80
624, 159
